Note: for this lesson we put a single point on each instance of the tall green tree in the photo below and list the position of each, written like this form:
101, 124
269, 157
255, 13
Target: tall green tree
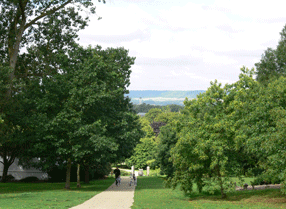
272, 63
85, 113
203, 147
143, 152
152, 114
167, 140
52, 26
261, 129
21, 18
209, 149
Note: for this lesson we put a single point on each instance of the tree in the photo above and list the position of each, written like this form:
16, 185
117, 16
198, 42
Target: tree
204, 145
166, 117
146, 128
262, 129
272, 64
15, 129
167, 139
22, 22
209, 149
84, 111
21, 18
152, 114
143, 152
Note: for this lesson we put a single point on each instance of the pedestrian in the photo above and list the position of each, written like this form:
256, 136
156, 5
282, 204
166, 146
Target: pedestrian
117, 174
134, 179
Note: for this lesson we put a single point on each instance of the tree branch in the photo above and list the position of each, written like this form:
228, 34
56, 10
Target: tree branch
22, 8
46, 13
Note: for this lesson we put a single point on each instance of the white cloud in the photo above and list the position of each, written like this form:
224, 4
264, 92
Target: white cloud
185, 45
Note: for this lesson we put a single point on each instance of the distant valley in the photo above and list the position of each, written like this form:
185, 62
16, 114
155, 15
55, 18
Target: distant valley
154, 97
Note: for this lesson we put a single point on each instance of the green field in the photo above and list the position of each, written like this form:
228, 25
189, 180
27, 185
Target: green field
48, 195
151, 194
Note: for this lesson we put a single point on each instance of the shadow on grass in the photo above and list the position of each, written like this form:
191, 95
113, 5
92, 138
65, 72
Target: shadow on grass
96, 185
149, 183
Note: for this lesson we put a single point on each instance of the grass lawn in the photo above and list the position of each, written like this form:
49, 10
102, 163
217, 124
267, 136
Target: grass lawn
151, 194
48, 195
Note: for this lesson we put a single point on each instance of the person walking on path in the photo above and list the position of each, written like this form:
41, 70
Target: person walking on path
117, 174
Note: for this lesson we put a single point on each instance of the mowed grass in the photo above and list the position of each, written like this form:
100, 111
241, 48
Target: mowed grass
151, 194
48, 195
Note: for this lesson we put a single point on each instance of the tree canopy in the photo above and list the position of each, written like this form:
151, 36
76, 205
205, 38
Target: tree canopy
272, 63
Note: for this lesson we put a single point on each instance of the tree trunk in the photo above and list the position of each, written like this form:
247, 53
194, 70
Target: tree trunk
78, 176
86, 174
199, 183
223, 195
13, 49
5, 173
68, 174
6, 164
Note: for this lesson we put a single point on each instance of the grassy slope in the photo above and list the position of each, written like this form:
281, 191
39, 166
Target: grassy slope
48, 195
150, 193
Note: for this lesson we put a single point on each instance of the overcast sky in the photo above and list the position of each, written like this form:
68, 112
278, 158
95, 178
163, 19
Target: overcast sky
185, 44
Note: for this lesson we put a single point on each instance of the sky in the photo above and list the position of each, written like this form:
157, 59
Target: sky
186, 44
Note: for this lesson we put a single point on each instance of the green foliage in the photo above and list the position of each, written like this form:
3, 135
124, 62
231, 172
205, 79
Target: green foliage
156, 153
146, 128
201, 153
91, 121
272, 63
209, 148
265, 137
80, 112
151, 193
124, 173
167, 117
47, 29
152, 114
235, 130
143, 152
167, 140
146, 107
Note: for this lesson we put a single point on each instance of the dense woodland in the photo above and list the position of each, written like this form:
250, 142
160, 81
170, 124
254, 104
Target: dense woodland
65, 105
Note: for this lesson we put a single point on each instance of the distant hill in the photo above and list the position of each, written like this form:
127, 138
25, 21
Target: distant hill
161, 97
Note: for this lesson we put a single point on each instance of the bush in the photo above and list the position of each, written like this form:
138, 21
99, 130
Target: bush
29, 179
10, 178
124, 173
262, 180
122, 166
57, 174
101, 171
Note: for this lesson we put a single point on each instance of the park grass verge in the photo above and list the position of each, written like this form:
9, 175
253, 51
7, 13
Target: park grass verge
48, 195
151, 194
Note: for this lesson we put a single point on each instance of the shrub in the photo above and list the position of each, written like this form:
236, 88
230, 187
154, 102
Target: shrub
29, 179
124, 173
10, 178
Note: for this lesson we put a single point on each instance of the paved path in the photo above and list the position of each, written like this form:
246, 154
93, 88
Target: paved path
258, 187
121, 197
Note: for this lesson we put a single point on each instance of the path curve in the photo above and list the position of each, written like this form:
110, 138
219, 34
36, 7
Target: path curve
119, 197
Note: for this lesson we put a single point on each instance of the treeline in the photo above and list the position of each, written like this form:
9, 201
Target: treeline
235, 130
164, 94
144, 108
61, 103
